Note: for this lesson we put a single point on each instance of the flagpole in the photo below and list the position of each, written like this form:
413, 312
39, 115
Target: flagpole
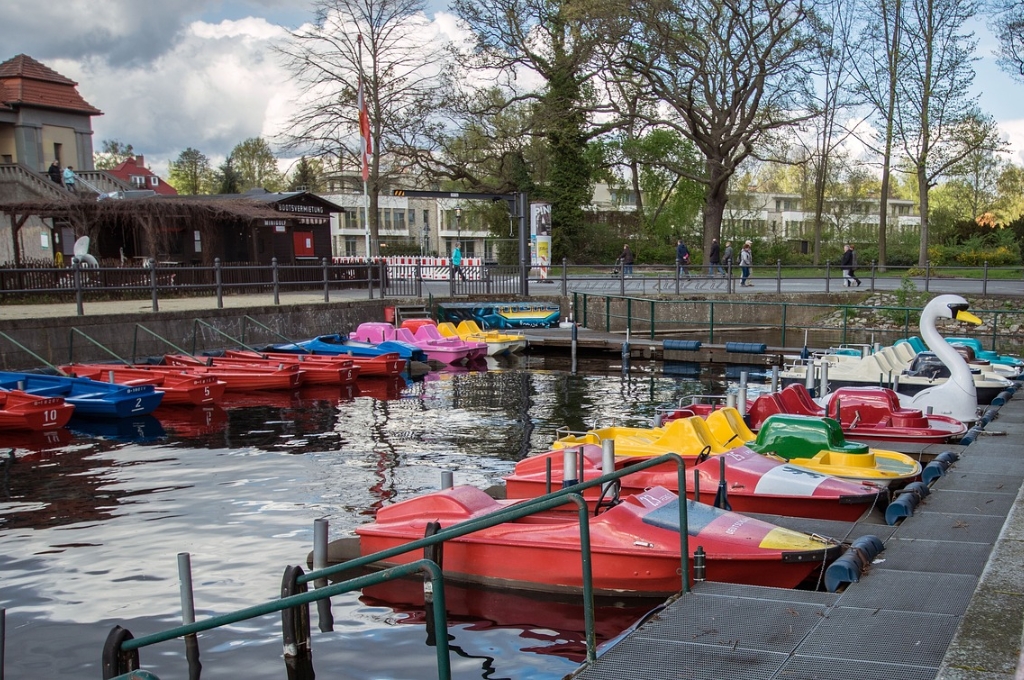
362, 154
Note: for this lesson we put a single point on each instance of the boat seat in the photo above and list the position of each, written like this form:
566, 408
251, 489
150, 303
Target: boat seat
797, 436
728, 427
689, 436
447, 329
767, 404
796, 399
904, 351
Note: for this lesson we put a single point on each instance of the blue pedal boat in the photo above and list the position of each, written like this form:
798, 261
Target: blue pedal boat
342, 344
92, 398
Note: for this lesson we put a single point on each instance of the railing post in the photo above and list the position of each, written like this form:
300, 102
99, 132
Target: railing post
295, 624
874, 266
369, 276
828, 276
984, 280
622, 279
152, 286
927, 274
451, 280
320, 543
711, 322
565, 279
679, 270
382, 270
778, 276
785, 306
419, 279
219, 281
277, 280
76, 267
327, 290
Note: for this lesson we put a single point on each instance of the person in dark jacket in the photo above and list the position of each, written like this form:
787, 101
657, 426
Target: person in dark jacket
682, 257
715, 259
848, 264
627, 260
55, 173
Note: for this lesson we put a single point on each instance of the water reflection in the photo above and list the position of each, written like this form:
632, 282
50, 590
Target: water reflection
91, 522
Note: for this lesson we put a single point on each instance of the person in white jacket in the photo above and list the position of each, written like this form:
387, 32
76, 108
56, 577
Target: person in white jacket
746, 260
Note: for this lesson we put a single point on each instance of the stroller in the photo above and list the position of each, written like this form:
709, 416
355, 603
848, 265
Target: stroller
618, 266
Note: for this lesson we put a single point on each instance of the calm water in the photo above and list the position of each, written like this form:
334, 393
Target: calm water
91, 522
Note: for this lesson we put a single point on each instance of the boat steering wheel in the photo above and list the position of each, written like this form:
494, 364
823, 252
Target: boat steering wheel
704, 454
608, 503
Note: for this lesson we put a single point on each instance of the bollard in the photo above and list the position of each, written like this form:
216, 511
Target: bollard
744, 376
277, 280
447, 479
741, 401
775, 379
575, 342
809, 377
730, 400
188, 606
823, 379
699, 564
607, 463
323, 607
569, 468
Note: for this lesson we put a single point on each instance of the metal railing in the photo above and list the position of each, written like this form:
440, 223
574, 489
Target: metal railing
121, 650
720, 321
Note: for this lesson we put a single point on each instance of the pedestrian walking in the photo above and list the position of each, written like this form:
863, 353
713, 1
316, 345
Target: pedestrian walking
457, 262
849, 263
54, 172
627, 260
682, 258
746, 262
69, 179
715, 258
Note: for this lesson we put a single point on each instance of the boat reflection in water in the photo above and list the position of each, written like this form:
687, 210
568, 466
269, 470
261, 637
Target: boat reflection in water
134, 429
553, 625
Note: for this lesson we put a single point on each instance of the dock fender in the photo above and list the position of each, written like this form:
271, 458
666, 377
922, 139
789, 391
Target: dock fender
115, 661
854, 562
937, 468
901, 506
1003, 397
919, 488
971, 435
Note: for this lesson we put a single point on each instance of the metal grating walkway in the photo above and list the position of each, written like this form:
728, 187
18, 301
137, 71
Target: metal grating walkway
898, 621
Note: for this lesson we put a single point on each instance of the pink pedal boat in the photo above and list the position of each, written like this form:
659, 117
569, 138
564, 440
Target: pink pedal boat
376, 332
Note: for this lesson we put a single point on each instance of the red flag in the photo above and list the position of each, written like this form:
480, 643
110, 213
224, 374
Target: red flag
364, 131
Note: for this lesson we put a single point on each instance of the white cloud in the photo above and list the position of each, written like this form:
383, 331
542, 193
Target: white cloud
1013, 132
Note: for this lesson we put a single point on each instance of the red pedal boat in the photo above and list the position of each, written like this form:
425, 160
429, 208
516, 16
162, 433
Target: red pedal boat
238, 378
389, 364
341, 371
180, 388
753, 483
33, 413
634, 545
862, 412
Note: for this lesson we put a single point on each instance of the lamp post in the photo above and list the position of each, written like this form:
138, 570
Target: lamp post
458, 224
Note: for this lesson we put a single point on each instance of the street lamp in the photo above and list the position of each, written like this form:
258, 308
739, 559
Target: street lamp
458, 224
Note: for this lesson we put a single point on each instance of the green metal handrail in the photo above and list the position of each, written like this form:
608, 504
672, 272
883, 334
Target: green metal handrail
30, 352
199, 322
436, 578
97, 343
247, 319
135, 341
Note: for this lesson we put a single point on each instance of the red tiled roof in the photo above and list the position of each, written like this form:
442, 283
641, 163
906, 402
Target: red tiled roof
25, 81
131, 167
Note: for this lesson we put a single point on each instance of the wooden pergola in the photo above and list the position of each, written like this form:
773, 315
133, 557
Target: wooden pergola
151, 224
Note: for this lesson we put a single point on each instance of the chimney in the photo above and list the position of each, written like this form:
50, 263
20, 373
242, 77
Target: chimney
140, 161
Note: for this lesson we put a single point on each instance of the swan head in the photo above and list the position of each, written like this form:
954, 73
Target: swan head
951, 306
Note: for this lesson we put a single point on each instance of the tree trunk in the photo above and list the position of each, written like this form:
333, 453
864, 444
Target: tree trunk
714, 203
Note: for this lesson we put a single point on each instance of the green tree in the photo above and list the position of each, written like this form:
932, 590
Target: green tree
227, 180
256, 165
191, 173
308, 175
112, 154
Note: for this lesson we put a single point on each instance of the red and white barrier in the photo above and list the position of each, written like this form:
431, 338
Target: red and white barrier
431, 268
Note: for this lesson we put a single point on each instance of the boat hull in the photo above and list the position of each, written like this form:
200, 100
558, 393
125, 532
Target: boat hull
21, 411
179, 389
634, 546
753, 483
90, 398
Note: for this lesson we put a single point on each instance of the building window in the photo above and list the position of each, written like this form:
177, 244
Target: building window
57, 155
154, 181
386, 212
426, 218
7, 158
138, 181
197, 242
399, 219
350, 246
412, 218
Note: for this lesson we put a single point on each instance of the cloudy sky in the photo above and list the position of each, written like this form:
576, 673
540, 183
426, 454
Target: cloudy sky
200, 73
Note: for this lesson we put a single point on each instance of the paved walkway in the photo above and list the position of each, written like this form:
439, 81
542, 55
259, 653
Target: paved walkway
945, 599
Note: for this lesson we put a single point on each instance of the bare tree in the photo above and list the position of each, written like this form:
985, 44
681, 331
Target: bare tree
878, 67
936, 122
1008, 26
392, 47
732, 72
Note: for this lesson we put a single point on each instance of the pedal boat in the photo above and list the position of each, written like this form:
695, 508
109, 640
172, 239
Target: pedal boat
179, 389
809, 441
91, 398
382, 365
634, 545
336, 343
340, 371
752, 483
862, 413
32, 413
498, 343
425, 330
436, 349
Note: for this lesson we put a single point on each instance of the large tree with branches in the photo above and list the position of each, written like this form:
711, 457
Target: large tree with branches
730, 72
393, 48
